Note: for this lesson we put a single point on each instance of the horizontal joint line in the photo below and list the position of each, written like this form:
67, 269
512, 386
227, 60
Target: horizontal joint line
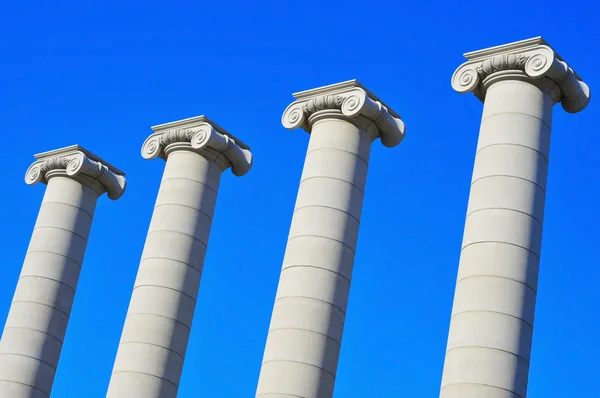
334, 178
512, 144
70, 205
507, 209
165, 287
323, 237
312, 298
497, 276
504, 243
30, 357
190, 179
26, 385
60, 229
508, 176
481, 384
49, 279
145, 374
57, 254
341, 150
171, 259
42, 304
158, 315
153, 345
302, 363
179, 233
494, 312
309, 331
314, 266
180, 205
516, 113
488, 348
326, 207
34, 330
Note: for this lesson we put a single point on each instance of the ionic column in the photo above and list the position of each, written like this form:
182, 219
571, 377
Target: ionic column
155, 335
305, 335
37, 320
489, 342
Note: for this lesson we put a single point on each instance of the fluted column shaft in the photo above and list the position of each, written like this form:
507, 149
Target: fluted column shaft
37, 321
305, 334
155, 336
489, 343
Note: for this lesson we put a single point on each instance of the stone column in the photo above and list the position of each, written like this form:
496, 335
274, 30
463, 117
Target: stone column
303, 343
155, 335
37, 321
489, 342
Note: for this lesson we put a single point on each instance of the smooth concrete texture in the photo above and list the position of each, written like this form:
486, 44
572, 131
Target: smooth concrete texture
37, 321
154, 340
491, 328
305, 334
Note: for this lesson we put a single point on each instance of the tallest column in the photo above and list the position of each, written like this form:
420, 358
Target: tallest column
305, 334
491, 328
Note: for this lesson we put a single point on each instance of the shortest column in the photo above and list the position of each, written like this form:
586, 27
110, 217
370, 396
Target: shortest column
37, 321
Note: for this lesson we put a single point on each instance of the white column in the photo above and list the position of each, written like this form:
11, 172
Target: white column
37, 321
151, 353
305, 334
491, 328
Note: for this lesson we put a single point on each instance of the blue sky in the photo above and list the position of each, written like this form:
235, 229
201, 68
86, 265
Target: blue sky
101, 74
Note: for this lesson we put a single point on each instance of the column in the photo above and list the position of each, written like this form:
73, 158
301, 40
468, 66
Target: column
37, 320
155, 335
491, 327
305, 334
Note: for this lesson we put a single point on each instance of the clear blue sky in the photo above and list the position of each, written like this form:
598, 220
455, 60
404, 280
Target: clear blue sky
101, 73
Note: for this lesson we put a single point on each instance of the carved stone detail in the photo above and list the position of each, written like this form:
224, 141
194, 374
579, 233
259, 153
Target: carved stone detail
535, 58
500, 63
80, 164
352, 100
201, 135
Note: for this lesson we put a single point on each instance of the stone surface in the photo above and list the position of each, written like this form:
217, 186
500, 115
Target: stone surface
491, 328
154, 340
37, 321
305, 333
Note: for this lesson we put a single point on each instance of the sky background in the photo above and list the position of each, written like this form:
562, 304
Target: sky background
101, 73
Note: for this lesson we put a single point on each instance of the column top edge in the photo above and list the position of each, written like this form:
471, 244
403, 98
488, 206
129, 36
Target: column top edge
516, 45
334, 88
510, 48
194, 122
73, 149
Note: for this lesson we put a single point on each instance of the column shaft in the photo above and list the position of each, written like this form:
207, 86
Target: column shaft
491, 329
151, 353
37, 321
305, 333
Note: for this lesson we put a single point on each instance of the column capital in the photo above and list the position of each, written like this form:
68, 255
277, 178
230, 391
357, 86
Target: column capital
532, 57
201, 135
78, 163
353, 100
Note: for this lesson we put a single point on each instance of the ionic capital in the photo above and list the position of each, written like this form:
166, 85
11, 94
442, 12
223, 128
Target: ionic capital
200, 135
353, 100
535, 58
80, 164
